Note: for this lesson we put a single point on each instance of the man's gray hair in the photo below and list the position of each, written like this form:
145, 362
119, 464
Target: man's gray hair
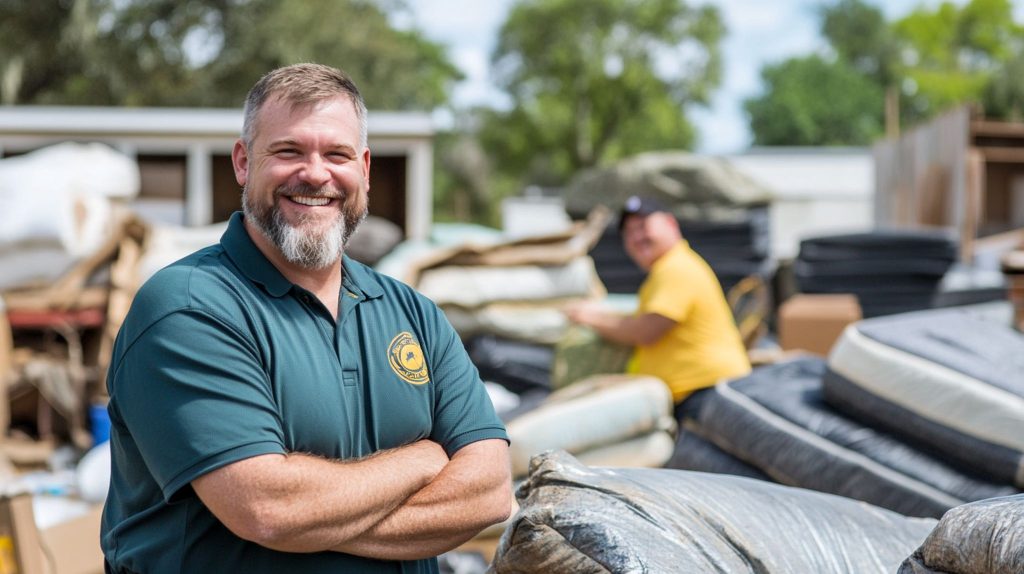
301, 84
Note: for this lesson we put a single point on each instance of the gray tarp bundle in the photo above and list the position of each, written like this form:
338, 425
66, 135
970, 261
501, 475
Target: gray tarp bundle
985, 537
776, 419
699, 187
950, 382
580, 520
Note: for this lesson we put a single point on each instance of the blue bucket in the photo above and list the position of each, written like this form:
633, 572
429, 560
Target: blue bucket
99, 422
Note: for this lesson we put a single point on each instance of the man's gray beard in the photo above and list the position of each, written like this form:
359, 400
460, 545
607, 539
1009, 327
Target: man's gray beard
305, 249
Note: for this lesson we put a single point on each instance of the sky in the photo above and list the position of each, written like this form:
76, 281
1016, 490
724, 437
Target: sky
759, 32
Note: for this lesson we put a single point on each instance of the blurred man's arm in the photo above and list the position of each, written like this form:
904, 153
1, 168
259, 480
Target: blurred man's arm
632, 330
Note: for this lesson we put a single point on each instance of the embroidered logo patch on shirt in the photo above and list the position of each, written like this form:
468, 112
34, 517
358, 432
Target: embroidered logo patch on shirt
406, 359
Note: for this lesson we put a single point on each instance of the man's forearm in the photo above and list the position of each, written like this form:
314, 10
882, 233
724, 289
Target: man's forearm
472, 492
301, 503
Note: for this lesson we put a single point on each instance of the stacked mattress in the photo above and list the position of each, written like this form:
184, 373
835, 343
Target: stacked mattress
613, 420
889, 271
776, 420
734, 249
950, 382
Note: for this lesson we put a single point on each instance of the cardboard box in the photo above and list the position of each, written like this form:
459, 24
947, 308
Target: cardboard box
70, 547
813, 323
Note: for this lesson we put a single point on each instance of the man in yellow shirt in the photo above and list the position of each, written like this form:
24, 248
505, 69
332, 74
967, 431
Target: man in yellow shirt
683, 329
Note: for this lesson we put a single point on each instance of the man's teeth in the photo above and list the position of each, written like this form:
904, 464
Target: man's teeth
311, 201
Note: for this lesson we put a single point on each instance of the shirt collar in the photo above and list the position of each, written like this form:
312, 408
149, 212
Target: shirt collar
250, 260
358, 279
254, 265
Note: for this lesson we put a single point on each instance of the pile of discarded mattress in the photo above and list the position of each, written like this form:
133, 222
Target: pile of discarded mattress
606, 420
722, 213
734, 248
917, 413
890, 272
505, 300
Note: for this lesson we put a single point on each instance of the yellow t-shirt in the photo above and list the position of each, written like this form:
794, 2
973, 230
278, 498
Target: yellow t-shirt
704, 346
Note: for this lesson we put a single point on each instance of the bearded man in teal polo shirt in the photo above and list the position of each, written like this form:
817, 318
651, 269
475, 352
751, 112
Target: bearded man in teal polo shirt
278, 407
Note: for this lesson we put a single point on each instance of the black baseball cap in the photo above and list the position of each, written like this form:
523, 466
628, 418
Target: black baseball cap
639, 205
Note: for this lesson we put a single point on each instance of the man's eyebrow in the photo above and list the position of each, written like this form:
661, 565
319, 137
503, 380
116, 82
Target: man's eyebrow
296, 143
283, 142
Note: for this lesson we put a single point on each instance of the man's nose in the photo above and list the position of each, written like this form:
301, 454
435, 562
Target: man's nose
315, 171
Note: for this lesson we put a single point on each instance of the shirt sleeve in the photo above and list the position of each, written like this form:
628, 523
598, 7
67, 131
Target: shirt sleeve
666, 293
463, 412
194, 397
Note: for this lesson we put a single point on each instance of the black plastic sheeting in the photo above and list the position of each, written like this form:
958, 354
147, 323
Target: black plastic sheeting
881, 243
694, 452
776, 419
586, 520
733, 249
516, 365
984, 537
890, 271
983, 350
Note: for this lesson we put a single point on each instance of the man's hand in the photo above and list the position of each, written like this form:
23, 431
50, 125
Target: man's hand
585, 313
631, 330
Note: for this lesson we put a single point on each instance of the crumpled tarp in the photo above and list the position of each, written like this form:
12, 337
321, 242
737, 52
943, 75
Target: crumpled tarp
985, 537
578, 519
691, 185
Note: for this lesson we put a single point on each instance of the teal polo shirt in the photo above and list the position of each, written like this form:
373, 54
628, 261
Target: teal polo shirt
221, 358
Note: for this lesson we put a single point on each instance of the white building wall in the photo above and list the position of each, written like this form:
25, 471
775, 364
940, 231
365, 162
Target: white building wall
816, 191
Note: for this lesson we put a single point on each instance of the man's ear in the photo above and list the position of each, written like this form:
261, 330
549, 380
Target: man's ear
240, 161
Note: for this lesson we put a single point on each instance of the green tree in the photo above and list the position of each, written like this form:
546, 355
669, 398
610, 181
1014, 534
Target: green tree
932, 59
952, 53
594, 80
209, 52
395, 69
810, 101
1004, 94
44, 46
861, 37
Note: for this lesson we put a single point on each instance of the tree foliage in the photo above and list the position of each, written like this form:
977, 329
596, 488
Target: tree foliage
209, 52
953, 53
816, 102
933, 58
594, 80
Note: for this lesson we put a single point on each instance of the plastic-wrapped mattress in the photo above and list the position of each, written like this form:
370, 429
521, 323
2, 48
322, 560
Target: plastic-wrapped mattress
985, 537
948, 381
576, 519
776, 420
